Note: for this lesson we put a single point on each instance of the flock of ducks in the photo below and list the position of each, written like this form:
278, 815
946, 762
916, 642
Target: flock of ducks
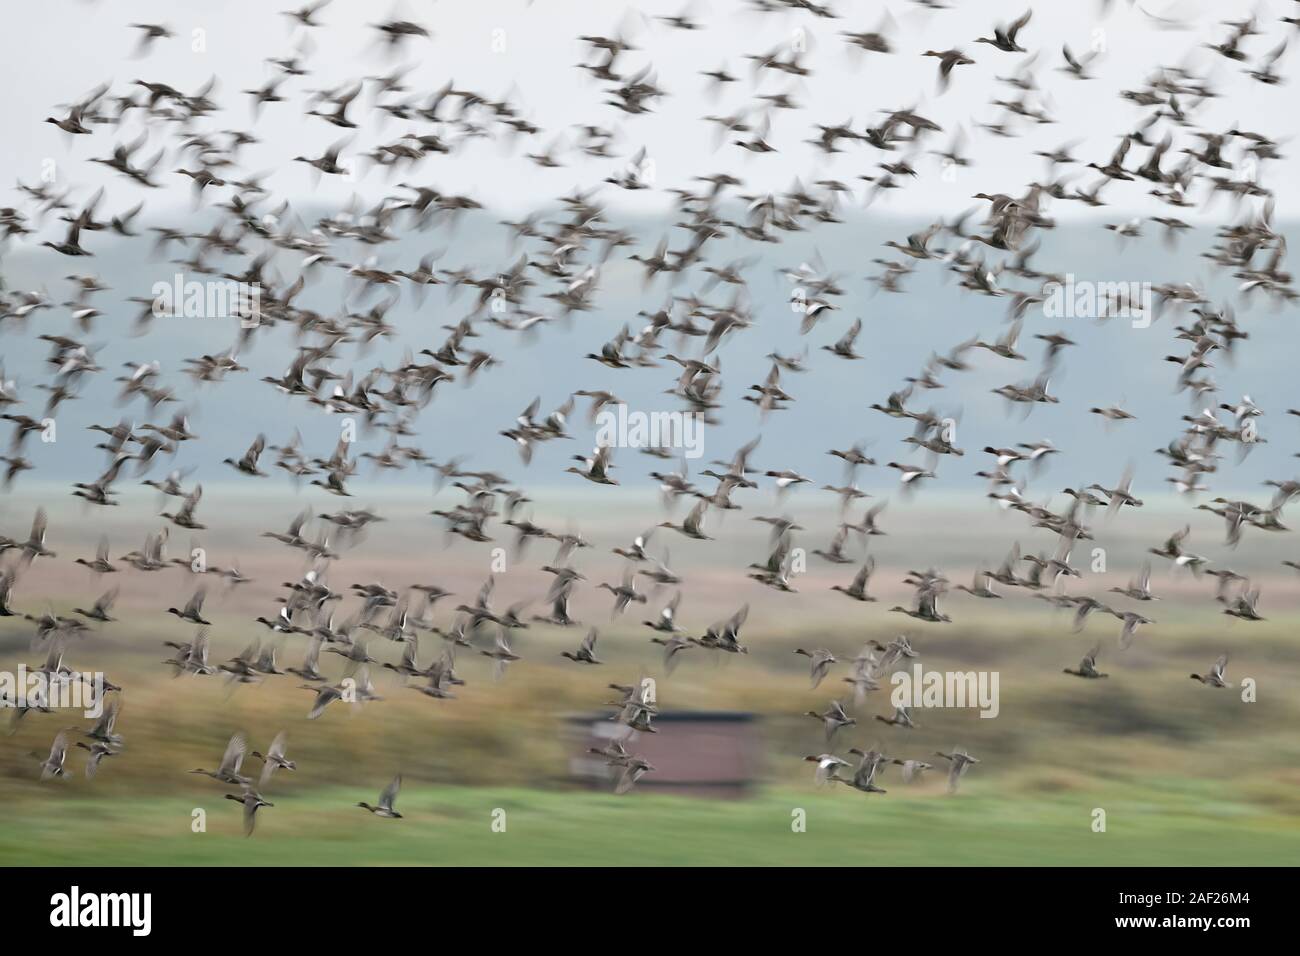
1173, 155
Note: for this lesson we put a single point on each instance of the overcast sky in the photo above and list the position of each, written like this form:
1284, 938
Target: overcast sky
60, 49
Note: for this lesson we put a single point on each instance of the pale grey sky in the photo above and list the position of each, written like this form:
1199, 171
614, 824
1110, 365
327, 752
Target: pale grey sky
58, 50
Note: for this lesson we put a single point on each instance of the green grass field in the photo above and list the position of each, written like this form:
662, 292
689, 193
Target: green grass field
1159, 823
1186, 774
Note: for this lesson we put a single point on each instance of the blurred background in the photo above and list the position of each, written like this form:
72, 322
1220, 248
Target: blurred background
1187, 774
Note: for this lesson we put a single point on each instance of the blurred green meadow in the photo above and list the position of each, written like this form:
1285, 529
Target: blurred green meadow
1161, 822
1185, 774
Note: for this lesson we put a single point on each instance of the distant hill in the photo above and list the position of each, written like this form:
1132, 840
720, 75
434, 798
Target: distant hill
1113, 363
